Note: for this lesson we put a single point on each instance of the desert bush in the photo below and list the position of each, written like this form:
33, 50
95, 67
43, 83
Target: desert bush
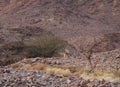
45, 46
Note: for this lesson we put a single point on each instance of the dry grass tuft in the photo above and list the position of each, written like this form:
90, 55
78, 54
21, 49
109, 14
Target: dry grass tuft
58, 71
70, 70
27, 67
39, 66
16, 66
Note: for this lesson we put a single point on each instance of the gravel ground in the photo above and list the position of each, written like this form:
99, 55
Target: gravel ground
21, 78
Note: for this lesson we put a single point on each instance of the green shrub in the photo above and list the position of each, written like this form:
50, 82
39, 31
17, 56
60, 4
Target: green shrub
45, 46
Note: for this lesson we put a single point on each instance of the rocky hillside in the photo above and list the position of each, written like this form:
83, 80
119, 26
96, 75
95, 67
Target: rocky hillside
82, 23
67, 18
87, 33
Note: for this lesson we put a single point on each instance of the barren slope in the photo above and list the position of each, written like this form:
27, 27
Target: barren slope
67, 18
80, 22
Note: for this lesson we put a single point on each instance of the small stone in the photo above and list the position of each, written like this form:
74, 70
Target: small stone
96, 82
68, 81
103, 81
0, 82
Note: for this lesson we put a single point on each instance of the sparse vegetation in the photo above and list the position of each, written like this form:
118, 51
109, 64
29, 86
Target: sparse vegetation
31, 55
45, 46
58, 71
39, 66
89, 53
70, 70
15, 66
26, 67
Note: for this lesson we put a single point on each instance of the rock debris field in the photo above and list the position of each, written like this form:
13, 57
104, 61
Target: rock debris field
20, 78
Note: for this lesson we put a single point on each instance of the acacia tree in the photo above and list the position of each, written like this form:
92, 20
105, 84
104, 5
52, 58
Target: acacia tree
115, 65
89, 52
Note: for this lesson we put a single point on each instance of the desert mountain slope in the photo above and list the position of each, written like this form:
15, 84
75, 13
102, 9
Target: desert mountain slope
66, 17
89, 28
71, 19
